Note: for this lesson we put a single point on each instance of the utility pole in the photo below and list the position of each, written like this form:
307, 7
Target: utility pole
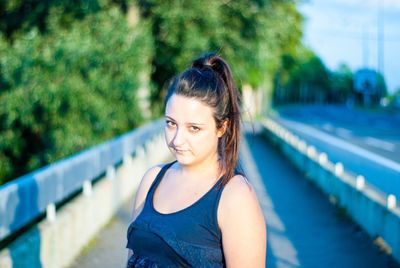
365, 50
380, 38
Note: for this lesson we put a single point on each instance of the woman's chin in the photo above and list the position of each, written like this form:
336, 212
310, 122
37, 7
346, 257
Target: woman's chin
184, 159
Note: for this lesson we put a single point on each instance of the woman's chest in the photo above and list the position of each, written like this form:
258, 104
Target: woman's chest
194, 225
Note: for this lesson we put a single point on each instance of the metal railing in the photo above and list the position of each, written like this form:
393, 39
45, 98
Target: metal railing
30, 196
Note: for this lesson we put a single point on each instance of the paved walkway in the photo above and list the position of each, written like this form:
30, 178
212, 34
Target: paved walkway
304, 229
107, 250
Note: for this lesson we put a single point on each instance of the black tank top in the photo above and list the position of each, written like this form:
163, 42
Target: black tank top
187, 238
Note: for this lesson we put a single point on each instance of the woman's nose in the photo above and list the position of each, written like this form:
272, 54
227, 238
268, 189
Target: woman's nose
178, 138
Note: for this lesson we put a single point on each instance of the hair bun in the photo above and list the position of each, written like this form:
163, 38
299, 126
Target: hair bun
204, 61
214, 62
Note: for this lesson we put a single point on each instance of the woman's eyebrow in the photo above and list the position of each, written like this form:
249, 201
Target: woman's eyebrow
169, 117
197, 124
188, 123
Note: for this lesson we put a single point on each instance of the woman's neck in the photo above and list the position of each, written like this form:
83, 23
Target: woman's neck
209, 168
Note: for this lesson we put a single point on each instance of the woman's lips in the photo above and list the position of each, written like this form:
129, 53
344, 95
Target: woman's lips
180, 151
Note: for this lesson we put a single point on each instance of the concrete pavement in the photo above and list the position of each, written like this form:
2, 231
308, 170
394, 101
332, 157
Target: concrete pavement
108, 248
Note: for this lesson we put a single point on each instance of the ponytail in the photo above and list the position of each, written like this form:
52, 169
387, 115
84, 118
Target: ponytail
210, 80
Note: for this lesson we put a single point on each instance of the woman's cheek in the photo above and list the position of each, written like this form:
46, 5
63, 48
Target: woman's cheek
205, 139
168, 135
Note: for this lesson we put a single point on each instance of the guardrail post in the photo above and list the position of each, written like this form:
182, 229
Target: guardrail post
110, 173
360, 182
391, 202
127, 160
339, 169
51, 212
322, 159
87, 188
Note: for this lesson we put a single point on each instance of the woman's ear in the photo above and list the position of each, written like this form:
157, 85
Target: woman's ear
221, 131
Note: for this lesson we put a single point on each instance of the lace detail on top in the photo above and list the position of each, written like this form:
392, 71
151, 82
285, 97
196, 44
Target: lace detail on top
138, 262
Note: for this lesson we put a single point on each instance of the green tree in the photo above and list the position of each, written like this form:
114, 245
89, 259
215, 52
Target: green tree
394, 99
18, 16
341, 82
251, 35
70, 70
69, 89
22, 16
302, 77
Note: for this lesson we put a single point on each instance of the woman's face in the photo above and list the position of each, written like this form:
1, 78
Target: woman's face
190, 130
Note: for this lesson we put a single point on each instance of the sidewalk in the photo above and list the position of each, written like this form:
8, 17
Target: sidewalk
108, 249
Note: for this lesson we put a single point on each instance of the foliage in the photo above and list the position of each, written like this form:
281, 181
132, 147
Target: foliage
381, 85
69, 89
303, 77
251, 35
22, 16
341, 84
70, 70
394, 99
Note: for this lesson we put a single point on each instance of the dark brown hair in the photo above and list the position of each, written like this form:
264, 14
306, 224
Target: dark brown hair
210, 81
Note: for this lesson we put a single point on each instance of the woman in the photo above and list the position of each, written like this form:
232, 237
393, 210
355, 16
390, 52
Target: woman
198, 211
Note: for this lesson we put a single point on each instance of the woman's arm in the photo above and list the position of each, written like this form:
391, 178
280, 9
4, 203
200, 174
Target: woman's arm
142, 190
242, 224
141, 194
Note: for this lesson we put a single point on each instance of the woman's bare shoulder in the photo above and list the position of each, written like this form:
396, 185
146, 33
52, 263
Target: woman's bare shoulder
238, 210
239, 188
151, 174
237, 196
144, 186
149, 177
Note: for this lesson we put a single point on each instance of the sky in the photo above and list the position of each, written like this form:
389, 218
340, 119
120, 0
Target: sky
347, 31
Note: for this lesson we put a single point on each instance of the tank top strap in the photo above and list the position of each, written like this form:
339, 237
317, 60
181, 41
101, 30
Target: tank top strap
218, 188
157, 180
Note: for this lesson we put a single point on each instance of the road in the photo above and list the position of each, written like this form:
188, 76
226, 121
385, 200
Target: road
366, 143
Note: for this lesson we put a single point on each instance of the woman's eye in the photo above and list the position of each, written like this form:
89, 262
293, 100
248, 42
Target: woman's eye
170, 123
194, 129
